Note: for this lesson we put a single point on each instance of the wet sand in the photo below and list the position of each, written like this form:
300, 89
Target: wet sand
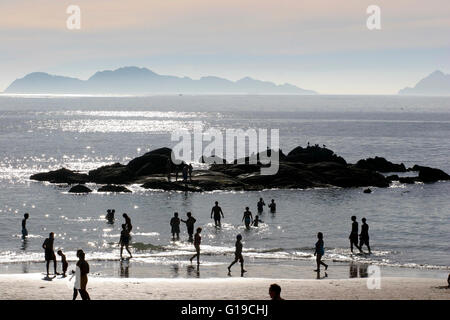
33, 286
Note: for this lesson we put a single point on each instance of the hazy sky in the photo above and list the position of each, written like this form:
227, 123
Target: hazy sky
319, 45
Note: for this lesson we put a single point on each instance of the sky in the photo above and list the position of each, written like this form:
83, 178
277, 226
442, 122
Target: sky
318, 45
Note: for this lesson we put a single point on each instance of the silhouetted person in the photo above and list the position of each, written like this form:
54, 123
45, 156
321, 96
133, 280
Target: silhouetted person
175, 224
260, 205
185, 172
364, 235
128, 223
197, 242
354, 235
124, 240
81, 278
275, 292
190, 169
49, 253
64, 263
110, 215
448, 280
273, 206
238, 255
256, 221
247, 218
168, 169
190, 221
319, 252
24, 225
217, 211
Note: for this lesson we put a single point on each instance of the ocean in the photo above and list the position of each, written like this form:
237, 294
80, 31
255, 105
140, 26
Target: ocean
409, 224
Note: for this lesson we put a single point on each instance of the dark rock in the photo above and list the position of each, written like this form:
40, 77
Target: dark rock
113, 188
408, 179
427, 174
393, 177
62, 175
367, 190
313, 154
380, 164
152, 162
170, 186
212, 160
115, 173
80, 189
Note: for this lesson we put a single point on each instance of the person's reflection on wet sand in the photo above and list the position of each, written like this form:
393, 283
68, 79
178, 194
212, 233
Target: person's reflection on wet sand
25, 268
325, 275
176, 270
124, 268
193, 272
363, 270
24, 244
353, 272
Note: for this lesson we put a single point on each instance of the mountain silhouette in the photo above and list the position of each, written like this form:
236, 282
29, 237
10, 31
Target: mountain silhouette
134, 80
436, 84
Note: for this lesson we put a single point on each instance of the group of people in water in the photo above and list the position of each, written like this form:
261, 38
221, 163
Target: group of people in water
82, 267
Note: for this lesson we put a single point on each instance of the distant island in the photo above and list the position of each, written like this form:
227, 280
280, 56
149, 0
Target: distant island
134, 80
436, 84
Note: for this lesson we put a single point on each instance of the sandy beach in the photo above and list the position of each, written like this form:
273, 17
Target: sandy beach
32, 286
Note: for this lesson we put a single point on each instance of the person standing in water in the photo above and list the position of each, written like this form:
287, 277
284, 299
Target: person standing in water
273, 206
238, 255
364, 235
24, 225
260, 205
127, 222
319, 252
247, 218
49, 253
64, 263
217, 211
175, 224
256, 221
110, 215
190, 221
184, 171
190, 169
354, 235
168, 169
197, 241
81, 278
124, 240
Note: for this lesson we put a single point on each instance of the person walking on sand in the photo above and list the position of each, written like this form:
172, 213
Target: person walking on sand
24, 225
49, 253
238, 255
364, 235
247, 218
64, 263
175, 224
275, 292
81, 278
256, 221
354, 235
190, 221
319, 252
197, 241
260, 205
273, 206
217, 211
124, 240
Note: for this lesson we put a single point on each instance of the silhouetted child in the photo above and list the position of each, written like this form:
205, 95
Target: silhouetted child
364, 235
275, 292
354, 235
64, 263
110, 215
124, 240
190, 221
197, 242
273, 206
256, 221
24, 225
238, 255
319, 252
247, 218
175, 224
260, 205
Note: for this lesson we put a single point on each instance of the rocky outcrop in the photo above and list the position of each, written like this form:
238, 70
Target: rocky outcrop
301, 168
79, 188
113, 188
380, 164
62, 175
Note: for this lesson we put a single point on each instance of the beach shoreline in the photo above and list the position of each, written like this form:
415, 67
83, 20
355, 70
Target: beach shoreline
35, 287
